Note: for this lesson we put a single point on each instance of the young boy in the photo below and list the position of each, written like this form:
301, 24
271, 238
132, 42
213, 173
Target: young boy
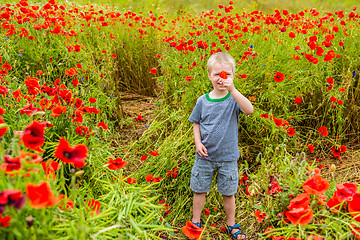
216, 118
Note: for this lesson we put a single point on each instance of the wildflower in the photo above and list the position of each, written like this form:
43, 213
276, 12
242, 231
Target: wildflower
117, 163
12, 197
316, 185
139, 118
153, 153
278, 122
92, 100
5, 221
260, 216
207, 211
300, 212
354, 206
93, 205
40, 195
103, 125
143, 157
323, 131
67, 154
192, 231
3, 128
279, 77
297, 100
33, 136
264, 115
131, 180
11, 164
311, 148
69, 203
223, 75
153, 71
290, 131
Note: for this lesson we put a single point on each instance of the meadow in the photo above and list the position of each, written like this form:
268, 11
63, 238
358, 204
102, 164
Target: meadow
67, 173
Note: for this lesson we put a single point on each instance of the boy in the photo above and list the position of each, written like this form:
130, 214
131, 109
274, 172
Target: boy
215, 118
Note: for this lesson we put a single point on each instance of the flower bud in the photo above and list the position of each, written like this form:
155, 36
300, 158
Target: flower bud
332, 167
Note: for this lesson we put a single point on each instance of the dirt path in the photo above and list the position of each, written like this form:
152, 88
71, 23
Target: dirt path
132, 126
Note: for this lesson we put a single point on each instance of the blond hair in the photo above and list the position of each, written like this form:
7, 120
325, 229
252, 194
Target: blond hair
222, 58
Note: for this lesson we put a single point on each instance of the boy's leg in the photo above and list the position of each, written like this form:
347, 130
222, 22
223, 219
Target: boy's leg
198, 204
229, 207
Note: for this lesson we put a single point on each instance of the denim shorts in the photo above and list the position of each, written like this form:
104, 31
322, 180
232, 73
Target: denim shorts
203, 172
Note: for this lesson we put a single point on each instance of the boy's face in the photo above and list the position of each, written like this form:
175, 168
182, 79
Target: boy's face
214, 75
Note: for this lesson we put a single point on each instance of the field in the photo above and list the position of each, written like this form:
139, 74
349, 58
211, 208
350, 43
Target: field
95, 141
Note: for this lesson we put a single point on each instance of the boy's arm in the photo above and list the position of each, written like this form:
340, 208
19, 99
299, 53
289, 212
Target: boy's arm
243, 102
200, 148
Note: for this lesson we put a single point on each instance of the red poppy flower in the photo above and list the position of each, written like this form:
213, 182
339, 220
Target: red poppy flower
149, 177
2, 111
139, 118
30, 157
316, 185
56, 111
103, 125
278, 122
7, 66
301, 201
345, 191
12, 197
264, 115
5, 221
40, 195
279, 77
260, 216
50, 167
354, 206
297, 100
311, 148
67, 154
153, 71
93, 205
290, 131
153, 153
11, 164
92, 100
223, 75
207, 211
334, 201
292, 35
33, 136
3, 90
69, 204
117, 163
3, 128
192, 231
300, 216
323, 131
131, 180
343, 149
143, 157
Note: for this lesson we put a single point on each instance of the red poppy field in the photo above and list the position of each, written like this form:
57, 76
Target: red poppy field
67, 173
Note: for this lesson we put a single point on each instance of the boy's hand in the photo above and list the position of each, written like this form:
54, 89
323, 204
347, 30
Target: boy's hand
228, 83
201, 150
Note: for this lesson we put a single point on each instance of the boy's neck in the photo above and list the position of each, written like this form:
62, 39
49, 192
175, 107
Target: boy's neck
217, 94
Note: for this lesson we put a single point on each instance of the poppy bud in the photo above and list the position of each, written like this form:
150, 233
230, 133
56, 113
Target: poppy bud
29, 220
79, 173
332, 167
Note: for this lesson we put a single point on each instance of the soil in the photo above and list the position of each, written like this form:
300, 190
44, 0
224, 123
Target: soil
133, 105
